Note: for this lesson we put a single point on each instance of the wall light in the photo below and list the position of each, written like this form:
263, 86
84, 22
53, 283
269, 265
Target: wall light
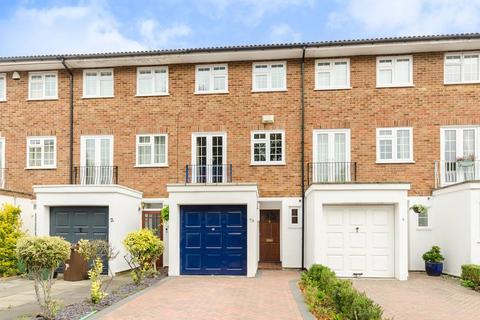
15, 75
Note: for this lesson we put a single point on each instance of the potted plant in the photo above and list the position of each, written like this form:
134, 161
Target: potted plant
419, 209
466, 161
433, 261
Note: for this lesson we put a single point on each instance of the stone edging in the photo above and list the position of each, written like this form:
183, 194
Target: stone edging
297, 295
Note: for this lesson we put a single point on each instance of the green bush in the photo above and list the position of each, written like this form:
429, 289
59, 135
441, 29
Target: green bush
144, 248
41, 255
332, 298
471, 276
10, 232
433, 255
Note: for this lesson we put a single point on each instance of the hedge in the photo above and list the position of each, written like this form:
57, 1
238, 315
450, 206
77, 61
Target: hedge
471, 276
10, 232
331, 298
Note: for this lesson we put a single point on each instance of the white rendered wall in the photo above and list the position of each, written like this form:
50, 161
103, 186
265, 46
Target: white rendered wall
310, 222
124, 208
27, 215
223, 194
360, 194
421, 239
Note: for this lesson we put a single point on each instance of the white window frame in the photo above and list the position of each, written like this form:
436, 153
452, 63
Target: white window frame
152, 139
211, 78
394, 82
462, 69
393, 138
42, 146
269, 76
332, 74
83, 145
43, 74
299, 218
4, 76
155, 92
98, 71
3, 166
427, 227
267, 161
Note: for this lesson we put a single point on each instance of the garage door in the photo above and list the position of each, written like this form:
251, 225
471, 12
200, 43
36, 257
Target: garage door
360, 240
213, 240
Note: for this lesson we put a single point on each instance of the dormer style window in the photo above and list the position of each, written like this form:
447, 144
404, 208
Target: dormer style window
462, 68
42, 85
98, 83
211, 79
395, 71
332, 74
271, 76
152, 81
3, 87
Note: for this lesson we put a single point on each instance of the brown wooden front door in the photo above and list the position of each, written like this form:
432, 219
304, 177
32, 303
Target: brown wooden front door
270, 235
153, 220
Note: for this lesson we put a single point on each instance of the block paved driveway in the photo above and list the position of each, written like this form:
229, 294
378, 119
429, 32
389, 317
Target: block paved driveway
422, 297
267, 296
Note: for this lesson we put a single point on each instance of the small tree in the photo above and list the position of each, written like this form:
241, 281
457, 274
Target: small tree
93, 251
10, 232
144, 248
42, 255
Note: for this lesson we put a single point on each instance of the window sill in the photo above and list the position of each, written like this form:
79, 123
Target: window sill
379, 86
460, 83
3, 100
424, 229
395, 162
210, 92
151, 166
42, 99
255, 164
332, 89
40, 168
98, 97
152, 95
293, 226
269, 90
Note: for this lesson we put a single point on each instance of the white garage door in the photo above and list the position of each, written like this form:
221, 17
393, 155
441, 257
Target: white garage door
359, 240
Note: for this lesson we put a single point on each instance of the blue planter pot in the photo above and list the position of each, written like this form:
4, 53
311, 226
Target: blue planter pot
434, 269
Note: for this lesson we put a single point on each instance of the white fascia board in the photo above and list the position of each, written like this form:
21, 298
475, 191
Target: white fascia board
82, 189
458, 187
358, 187
237, 187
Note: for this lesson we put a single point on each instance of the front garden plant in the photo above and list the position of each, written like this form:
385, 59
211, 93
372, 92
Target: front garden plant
433, 261
10, 232
471, 276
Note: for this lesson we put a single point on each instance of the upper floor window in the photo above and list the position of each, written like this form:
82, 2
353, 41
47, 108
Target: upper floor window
394, 145
211, 78
332, 74
270, 76
152, 81
152, 150
3, 87
394, 71
461, 68
268, 147
41, 152
98, 83
42, 85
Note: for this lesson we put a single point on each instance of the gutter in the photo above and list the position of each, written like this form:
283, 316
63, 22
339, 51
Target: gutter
71, 119
302, 99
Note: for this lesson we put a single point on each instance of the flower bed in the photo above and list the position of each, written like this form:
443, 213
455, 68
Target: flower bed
471, 276
329, 298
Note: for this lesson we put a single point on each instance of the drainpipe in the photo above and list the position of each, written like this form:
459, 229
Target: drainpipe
302, 99
71, 119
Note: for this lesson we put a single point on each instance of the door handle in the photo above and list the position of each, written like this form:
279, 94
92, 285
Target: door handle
269, 240
356, 229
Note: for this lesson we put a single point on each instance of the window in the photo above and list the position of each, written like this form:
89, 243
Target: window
270, 76
394, 71
295, 217
3, 87
394, 145
461, 68
211, 79
152, 150
332, 74
422, 221
331, 154
42, 85
152, 81
98, 83
268, 147
41, 152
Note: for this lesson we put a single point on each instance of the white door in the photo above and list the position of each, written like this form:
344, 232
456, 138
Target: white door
209, 158
331, 156
359, 240
96, 158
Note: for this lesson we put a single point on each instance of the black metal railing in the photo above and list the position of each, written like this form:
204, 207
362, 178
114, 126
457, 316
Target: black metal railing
215, 173
450, 172
96, 175
331, 172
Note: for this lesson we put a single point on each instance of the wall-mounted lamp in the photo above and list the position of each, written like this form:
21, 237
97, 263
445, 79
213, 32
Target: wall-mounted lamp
268, 119
15, 75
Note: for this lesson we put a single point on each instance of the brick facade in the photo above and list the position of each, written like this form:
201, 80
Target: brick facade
426, 106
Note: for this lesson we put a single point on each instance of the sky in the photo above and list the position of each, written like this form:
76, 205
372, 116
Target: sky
30, 27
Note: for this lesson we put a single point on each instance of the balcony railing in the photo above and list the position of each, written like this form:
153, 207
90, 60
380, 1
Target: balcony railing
215, 173
450, 172
96, 175
332, 172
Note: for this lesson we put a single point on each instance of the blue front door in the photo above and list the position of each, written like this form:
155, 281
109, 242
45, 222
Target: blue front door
213, 240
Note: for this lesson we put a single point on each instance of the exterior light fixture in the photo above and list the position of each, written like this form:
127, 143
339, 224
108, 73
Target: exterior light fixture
15, 76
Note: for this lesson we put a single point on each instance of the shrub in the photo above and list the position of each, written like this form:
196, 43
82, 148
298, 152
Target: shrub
433, 255
471, 276
144, 248
165, 214
42, 255
10, 232
332, 298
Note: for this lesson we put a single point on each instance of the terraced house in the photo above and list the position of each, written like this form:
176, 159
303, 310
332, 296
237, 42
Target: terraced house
287, 154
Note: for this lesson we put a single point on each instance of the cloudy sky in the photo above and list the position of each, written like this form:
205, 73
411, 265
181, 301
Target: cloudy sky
66, 26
